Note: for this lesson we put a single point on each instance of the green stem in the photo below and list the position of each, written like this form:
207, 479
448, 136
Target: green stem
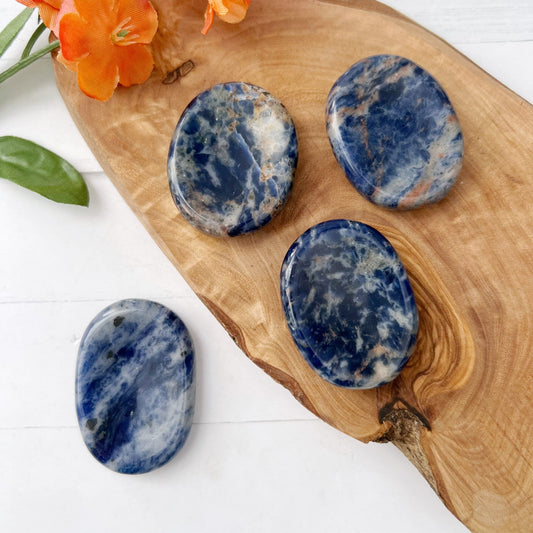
27, 61
33, 39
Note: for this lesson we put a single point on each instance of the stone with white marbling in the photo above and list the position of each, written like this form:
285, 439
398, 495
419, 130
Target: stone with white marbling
135, 386
349, 304
232, 159
394, 132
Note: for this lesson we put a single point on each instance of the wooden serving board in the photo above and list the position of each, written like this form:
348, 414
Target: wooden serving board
462, 409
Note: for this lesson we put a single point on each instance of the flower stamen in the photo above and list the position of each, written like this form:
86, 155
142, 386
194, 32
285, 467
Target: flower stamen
123, 30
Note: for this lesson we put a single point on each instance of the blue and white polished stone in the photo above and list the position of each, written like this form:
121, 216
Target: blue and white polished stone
135, 386
349, 304
394, 132
232, 159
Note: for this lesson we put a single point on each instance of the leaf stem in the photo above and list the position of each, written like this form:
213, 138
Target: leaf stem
27, 61
33, 39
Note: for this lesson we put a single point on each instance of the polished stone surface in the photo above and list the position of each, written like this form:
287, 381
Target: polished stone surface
232, 159
394, 132
135, 386
349, 304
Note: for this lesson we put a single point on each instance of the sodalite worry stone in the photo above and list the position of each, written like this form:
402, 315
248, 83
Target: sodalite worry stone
135, 386
349, 304
232, 159
394, 132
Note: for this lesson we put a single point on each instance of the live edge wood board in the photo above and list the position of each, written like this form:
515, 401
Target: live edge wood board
462, 410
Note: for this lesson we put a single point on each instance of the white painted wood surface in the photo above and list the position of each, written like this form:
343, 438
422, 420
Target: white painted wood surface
255, 460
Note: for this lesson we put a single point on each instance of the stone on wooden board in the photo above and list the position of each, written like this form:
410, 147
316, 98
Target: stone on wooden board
232, 159
135, 386
394, 132
349, 304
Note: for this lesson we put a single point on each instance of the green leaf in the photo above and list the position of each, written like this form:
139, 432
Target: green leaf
9, 33
36, 168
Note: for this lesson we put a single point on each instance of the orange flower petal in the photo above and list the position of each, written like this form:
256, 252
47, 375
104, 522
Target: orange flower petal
55, 4
98, 12
28, 3
219, 6
231, 11
71, 65
74, 36
48, 14
135, 64
67, 6
48, 9
209, 18
97, 78
236, 11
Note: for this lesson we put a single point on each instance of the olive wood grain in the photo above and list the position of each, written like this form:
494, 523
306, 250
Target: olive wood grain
462, 408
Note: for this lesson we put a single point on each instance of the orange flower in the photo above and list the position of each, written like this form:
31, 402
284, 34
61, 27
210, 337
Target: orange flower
105, 43
231, 11
48, 9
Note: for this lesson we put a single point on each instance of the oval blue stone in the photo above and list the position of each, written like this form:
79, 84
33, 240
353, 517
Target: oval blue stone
135, 386
394, 132
232, 159
349, 304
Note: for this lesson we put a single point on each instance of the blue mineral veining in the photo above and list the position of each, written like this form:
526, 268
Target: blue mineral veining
232, 159
394, 132
135, 386
349, 304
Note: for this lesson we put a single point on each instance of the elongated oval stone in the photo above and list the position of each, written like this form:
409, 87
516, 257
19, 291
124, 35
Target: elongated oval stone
232, 159
135, 386
394, 132
349, 304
